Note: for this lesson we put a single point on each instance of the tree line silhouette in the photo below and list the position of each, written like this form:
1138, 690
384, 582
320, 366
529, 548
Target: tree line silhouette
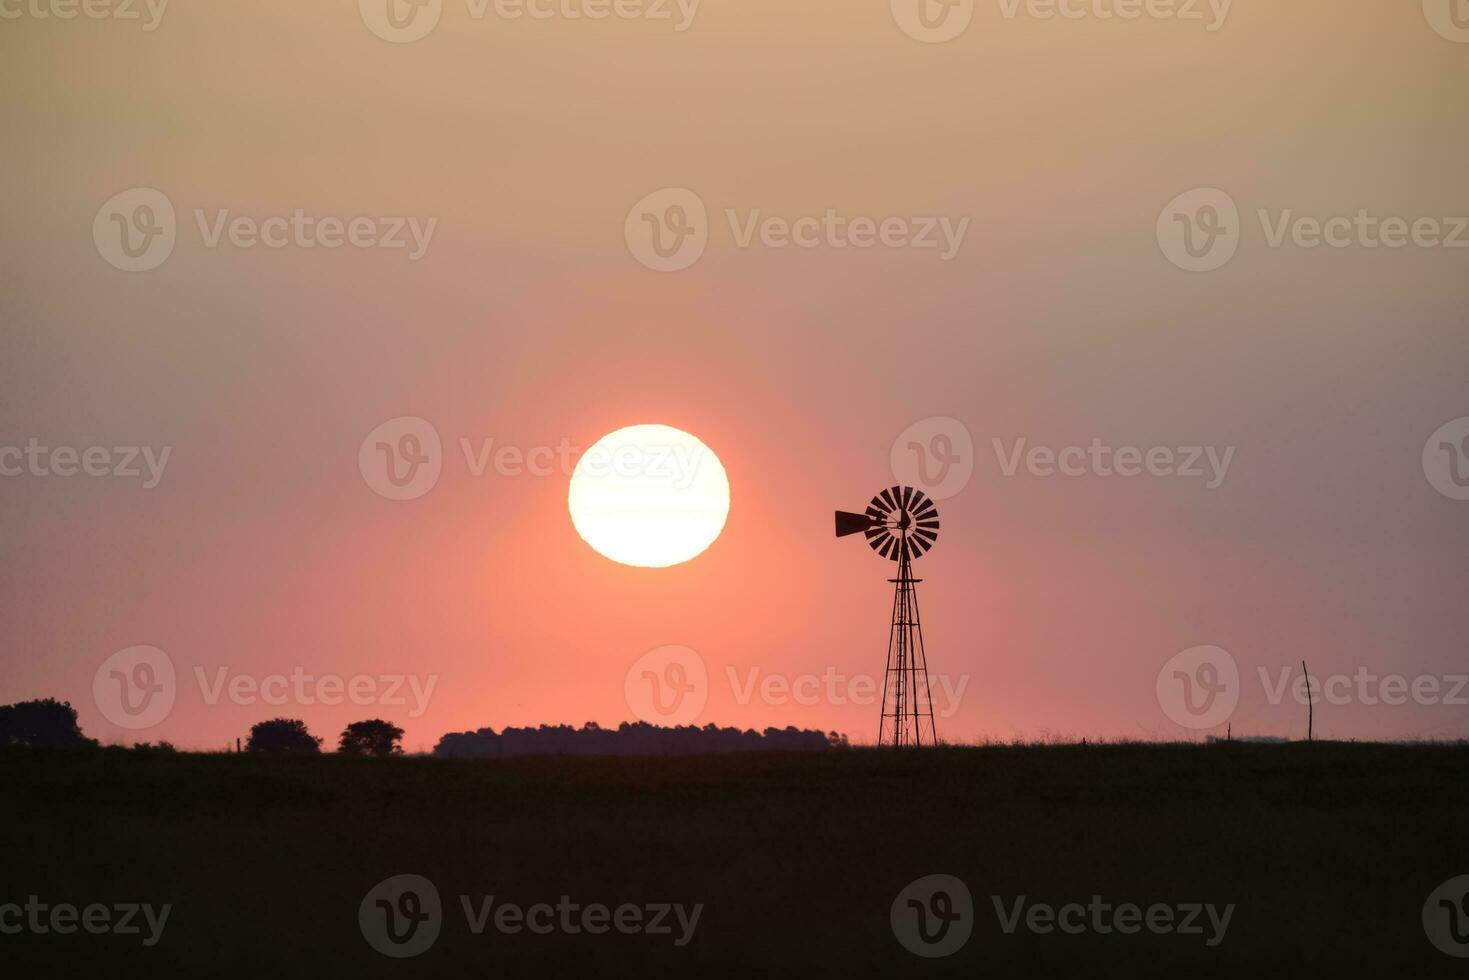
635, 738
52, 724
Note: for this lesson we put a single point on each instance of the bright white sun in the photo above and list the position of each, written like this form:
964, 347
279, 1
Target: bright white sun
649, 495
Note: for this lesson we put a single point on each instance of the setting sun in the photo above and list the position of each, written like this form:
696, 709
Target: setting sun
649, 495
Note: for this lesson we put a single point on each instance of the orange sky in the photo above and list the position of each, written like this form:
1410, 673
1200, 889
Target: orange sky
262, 550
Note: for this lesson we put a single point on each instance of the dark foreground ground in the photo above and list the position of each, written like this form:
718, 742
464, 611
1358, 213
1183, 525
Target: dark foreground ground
1328, 853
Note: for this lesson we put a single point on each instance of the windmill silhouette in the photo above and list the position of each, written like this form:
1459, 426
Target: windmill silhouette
901, 524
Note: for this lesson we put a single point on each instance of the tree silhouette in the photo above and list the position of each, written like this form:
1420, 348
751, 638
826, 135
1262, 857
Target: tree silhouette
376, 738
283, 736
48, 724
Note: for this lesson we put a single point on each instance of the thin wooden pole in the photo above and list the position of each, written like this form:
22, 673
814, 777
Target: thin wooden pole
1310, 705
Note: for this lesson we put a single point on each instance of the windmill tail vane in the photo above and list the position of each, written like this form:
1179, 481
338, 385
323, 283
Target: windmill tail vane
901, 524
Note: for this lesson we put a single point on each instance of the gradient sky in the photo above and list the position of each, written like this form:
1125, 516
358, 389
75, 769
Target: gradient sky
528, 321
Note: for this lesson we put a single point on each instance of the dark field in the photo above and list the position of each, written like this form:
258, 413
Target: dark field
1328, 852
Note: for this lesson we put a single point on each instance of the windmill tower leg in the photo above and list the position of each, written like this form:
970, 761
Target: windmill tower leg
924, 729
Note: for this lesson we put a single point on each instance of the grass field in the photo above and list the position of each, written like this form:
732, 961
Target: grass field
1327, 851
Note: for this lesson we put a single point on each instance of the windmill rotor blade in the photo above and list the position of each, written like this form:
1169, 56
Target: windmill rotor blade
888, 496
